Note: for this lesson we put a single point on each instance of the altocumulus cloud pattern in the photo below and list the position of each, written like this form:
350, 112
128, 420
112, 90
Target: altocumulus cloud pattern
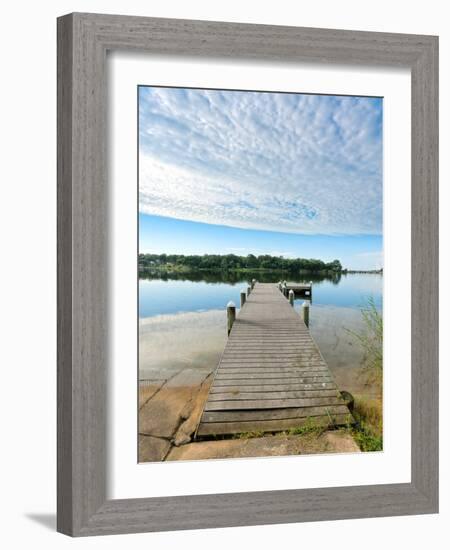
296, 163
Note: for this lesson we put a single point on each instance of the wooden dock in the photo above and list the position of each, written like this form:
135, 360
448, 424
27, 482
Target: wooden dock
299, 288
271, 376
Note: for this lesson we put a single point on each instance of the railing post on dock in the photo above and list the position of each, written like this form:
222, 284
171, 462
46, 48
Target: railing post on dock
253, 283
305, 312
285, 290
291, 297
231, 316
249, 289
279, 286
243, 297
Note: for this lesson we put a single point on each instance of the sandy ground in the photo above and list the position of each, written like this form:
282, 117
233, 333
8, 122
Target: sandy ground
175, 378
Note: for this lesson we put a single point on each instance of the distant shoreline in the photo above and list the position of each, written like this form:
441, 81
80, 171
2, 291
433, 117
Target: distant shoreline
362, 271
166, 268
180, 263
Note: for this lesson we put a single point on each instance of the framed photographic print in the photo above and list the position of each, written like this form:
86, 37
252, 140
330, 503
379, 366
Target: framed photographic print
246, 333
234, 186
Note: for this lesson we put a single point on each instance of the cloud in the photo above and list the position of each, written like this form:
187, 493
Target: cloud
281, 162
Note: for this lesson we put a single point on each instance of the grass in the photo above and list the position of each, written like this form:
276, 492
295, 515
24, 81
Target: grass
308, 428
367, 412
368, 430
371, 340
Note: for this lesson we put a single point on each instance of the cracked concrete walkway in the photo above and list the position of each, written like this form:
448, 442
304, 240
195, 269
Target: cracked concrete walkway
170, 411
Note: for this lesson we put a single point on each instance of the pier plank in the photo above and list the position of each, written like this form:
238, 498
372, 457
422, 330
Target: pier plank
272, 387
272, 403
248, 396
272, 370
266, 376
266, 383
273, 414
271, 376
219, 428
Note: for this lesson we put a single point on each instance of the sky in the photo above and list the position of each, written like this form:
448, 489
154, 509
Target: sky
295, 175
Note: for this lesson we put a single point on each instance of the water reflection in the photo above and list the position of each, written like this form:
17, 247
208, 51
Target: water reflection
183, 321
233, 277
200, 291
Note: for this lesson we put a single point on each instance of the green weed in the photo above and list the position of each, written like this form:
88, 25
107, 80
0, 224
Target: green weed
371, 340
368, 430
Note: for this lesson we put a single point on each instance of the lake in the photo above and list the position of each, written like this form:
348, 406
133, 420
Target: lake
182, 319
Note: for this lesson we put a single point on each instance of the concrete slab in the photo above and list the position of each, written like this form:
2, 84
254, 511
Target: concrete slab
162, 414
277, 445
152, 449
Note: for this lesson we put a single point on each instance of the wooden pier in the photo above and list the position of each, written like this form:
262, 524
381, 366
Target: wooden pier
303, 289
271, 376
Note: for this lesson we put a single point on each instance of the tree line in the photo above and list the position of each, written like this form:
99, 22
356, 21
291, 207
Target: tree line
232, 262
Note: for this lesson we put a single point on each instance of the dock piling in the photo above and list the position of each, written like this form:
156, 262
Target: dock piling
253, 283
243, 296
291, 297
231, 316
249, 289
300, 289
305, 312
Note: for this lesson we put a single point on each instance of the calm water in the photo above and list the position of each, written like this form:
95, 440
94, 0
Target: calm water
182, 321
163, 296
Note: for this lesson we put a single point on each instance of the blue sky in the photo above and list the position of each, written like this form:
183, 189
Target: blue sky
252, 172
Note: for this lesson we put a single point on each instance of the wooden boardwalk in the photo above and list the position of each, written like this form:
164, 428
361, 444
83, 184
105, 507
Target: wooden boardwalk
300, 289
271, 376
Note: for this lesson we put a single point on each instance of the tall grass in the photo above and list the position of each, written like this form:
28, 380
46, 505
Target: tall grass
371, 340
368, 430
368, 413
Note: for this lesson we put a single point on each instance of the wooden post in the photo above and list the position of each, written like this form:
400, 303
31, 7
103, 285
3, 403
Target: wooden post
279, 286
305, 311
253, 283
243, 296
291, 297
248, 290
231, 316
285, 290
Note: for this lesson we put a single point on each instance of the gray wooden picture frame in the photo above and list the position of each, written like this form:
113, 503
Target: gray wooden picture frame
83, 42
